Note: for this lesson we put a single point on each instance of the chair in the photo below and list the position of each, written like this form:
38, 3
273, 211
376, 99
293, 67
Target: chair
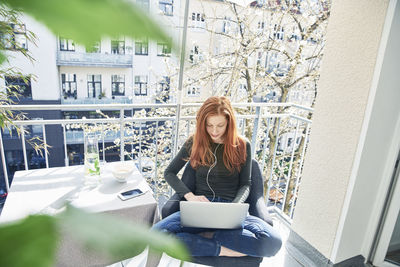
257, 208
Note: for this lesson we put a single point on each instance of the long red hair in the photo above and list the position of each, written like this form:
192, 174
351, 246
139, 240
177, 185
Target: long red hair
235, 146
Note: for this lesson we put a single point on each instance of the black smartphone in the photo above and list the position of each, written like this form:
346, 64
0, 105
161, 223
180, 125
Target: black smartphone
125, 195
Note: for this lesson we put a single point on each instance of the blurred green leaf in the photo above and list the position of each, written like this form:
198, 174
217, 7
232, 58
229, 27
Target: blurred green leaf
117, 239
30, 242
33, 241
87, 21
2, 57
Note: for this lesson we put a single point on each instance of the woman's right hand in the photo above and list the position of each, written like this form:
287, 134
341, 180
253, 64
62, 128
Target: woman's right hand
192, 197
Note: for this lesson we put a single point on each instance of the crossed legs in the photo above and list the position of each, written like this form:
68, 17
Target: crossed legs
256, 238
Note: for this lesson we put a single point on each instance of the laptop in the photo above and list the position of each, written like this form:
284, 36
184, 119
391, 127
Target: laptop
215, 215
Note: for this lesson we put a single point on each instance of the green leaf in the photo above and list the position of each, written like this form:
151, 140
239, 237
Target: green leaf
2, 57
30, 242
87, 21
116, 239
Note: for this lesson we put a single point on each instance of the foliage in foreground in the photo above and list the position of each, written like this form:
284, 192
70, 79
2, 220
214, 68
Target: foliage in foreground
33, 241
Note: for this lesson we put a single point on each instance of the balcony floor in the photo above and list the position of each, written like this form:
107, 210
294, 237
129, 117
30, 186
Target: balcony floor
282, 259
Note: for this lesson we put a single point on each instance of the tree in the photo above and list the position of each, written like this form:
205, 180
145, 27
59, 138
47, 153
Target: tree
266, 52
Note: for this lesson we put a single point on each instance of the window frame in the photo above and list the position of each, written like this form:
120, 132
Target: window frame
118, 50
18, 81
93, 82
96, 46
163, 7
11, 40
193, 91
70, 45
163, 50
144, 47
70, 83
140, 86
116, 82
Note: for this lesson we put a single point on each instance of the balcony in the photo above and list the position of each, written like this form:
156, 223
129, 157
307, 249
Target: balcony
278, 134
96, 101
69, 58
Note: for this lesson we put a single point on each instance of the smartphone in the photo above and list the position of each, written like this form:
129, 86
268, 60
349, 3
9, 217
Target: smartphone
130, 194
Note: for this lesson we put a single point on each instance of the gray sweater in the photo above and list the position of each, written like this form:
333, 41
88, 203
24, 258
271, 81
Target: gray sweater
232, 186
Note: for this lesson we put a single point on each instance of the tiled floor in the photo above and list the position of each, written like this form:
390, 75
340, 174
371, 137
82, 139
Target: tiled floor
282, 259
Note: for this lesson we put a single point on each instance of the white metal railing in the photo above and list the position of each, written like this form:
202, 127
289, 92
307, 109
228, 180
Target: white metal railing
278, 140
71, 58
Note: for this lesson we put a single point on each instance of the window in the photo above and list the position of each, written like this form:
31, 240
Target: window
94, 85
15, 38
66, 44
94, 48
141, 85
163, 85
118, 85
259, 58
198, 20
260, 27
192, 89
68, 85
279, 32
19, 85
226, 25
141, 47
163, 90
144, 4
118, 47
37, 129
166, 7
195, 55
163, 50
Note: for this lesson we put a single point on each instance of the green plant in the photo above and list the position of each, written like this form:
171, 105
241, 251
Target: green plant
33, 241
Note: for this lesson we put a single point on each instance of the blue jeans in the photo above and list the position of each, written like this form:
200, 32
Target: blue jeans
256, 238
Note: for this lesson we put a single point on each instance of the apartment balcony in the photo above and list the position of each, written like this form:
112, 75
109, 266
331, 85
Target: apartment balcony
347, 201
96, 101
157, 138
152, 141
70, 58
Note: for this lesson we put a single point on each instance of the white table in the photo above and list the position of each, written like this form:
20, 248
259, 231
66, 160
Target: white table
34, 191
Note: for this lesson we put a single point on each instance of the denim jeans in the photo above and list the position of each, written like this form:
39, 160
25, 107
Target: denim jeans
257, 238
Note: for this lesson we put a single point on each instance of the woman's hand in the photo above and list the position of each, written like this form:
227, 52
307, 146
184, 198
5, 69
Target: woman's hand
192, 197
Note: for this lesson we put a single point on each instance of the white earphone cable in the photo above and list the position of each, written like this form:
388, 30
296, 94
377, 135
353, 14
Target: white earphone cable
209, 170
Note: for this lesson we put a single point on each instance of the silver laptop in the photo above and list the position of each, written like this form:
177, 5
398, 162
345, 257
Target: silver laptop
216, 215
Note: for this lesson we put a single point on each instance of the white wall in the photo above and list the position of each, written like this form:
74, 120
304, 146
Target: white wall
46, 86
353, 39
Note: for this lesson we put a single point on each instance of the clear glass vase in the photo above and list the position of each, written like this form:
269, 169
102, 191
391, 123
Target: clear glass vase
92, 160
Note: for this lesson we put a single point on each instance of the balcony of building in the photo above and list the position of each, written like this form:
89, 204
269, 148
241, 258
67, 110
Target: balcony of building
347, 202
80, 59
96, 101
152, 141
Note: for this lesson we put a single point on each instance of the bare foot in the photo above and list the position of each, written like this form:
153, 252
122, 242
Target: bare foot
230, 253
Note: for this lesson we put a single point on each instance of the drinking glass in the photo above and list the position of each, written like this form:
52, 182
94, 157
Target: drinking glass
92, 160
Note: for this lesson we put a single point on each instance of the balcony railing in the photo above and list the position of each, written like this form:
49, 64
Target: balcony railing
97, 101
71, 58
278, 133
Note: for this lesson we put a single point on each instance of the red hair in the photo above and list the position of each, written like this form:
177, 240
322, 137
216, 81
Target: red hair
235, 146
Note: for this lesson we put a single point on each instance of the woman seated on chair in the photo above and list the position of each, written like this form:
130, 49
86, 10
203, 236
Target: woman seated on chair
222, 163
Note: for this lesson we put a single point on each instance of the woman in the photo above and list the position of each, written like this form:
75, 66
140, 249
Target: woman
222, 163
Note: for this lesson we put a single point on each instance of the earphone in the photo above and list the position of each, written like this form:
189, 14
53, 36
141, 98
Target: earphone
209, 170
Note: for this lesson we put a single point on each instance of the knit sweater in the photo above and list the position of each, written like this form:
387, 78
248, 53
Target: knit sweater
231, 186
